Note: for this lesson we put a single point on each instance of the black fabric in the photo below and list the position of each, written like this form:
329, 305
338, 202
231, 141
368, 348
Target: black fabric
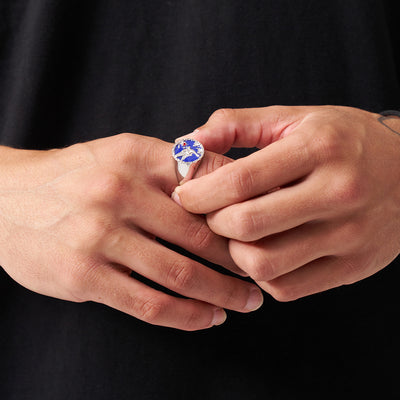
78, 70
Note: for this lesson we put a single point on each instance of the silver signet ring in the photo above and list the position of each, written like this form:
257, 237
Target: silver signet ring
187, 153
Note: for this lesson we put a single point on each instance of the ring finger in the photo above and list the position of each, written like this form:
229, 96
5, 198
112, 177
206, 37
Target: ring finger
278, 254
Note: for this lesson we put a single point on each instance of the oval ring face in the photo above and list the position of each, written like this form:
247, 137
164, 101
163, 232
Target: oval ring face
188, 151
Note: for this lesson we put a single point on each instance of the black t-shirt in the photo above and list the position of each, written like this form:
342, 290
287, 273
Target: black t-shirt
79, 70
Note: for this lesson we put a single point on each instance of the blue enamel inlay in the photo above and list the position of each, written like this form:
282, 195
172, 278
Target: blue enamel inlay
188, 150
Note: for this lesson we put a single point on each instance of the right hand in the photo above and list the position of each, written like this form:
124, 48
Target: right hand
75, 222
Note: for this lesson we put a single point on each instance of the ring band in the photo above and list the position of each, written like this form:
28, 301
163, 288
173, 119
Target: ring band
187, 153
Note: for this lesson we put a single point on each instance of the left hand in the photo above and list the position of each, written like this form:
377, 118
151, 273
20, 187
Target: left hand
317, 207
75, 223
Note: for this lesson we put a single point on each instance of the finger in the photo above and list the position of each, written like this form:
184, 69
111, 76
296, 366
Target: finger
172, 223
275, 212
317, 276
247, 127
276, 255
277, 165
165, 168
120, 291
211, 162
178, 273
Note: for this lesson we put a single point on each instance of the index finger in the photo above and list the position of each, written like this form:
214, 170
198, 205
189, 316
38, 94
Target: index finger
248, 127
276, 165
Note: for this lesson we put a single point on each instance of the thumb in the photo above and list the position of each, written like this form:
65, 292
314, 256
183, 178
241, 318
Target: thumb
210, 162
247, 127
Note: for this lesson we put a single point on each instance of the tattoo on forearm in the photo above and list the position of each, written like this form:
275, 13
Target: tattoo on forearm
382, 120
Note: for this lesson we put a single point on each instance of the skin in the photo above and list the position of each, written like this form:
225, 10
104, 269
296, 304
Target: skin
318, 206
75, 222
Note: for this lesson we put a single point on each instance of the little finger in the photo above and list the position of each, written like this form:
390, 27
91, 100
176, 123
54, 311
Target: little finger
319, 275
121, 292
278, 254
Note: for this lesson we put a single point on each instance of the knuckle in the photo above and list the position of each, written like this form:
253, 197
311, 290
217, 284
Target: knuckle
328, 144
200, 235
88, 235
115, 239
192, 320
180, 275
222, 114
124, 138
349, 191
352, 235
96, 230
245, 226
263, 267
124, 147
241, 183
149, 310
79, 280
352, 269
217, 162
125, 141
107, 188
230, 298
282, 293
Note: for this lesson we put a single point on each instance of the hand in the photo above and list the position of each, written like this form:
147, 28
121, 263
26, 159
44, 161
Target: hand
317, 207
74, 223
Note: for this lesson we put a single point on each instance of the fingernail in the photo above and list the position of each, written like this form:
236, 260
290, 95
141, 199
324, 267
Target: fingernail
255, 300
219, 316
188, 135
175, 198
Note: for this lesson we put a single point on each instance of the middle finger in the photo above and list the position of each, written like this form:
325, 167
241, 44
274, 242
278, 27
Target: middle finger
162, 217
178, 273
274, 212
